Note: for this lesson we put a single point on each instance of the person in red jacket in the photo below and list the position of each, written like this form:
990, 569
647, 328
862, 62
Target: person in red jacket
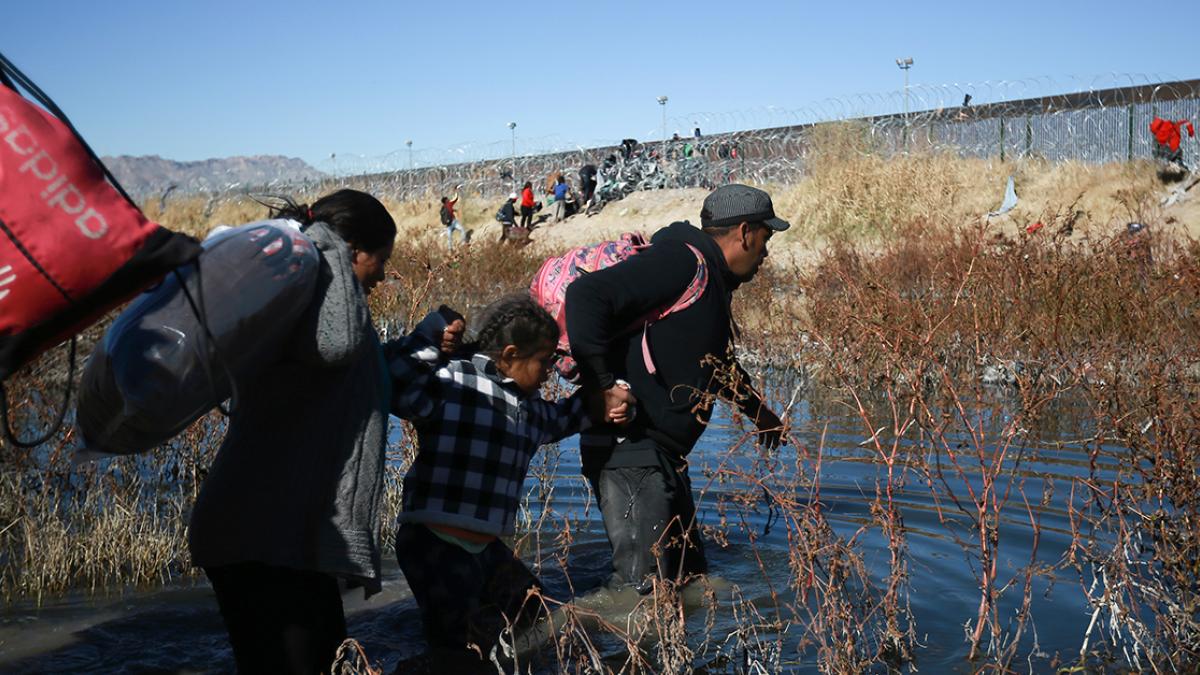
527, 204
1168, 135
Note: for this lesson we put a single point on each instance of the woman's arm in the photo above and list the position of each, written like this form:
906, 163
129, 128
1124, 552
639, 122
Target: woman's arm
413, 362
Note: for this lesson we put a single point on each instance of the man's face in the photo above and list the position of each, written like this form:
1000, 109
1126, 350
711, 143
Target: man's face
751, 250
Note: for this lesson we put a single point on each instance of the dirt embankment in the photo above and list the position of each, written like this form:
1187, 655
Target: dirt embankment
871, 202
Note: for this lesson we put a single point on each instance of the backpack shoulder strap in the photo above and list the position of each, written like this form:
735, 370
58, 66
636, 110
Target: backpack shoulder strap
690, 295
695, 288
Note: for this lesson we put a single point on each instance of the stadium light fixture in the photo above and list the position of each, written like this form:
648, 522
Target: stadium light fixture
905, 64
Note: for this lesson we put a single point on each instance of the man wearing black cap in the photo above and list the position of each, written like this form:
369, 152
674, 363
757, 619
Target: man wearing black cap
639, 473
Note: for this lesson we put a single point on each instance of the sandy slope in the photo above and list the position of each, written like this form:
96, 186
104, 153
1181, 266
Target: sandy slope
640, 212
1101, 192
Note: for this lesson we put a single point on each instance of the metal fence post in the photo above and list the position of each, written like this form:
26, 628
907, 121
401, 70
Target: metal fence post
1130, 156
1002, 138
1028, 136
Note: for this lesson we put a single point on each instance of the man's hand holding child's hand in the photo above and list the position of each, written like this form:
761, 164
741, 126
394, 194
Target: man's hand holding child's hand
614, 405
619, 404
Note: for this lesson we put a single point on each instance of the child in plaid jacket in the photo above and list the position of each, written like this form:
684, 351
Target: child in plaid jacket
479, 421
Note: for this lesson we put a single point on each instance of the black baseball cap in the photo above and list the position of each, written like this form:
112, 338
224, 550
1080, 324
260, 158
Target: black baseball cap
733, 204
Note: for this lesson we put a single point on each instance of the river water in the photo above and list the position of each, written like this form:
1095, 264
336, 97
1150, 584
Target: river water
177, 628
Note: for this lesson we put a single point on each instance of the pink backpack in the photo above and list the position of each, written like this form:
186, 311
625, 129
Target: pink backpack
549, 289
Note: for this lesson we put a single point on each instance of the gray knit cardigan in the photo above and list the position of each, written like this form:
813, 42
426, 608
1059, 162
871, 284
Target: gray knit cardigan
298, 481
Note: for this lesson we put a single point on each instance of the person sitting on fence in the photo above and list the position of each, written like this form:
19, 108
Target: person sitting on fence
479, 421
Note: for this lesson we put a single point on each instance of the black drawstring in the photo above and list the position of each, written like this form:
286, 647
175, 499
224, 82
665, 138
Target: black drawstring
209, 347
11, 437
11, 77
11, 71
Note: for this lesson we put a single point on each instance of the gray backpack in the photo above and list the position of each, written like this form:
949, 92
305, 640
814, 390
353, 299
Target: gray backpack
179, 349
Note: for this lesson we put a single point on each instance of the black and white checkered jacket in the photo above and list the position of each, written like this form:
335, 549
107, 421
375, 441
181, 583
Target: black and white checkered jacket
476, 433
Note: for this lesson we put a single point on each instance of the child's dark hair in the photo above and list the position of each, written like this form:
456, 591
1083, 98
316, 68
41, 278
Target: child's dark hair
357, 217
515, 320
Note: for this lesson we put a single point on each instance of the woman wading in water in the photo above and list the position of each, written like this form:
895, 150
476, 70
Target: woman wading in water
291, 504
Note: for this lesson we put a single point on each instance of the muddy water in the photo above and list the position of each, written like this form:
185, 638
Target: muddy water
177, 629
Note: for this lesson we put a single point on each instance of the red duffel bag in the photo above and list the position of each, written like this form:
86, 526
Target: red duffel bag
72, 244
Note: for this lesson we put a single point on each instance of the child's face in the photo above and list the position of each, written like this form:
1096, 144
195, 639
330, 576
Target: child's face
529, 372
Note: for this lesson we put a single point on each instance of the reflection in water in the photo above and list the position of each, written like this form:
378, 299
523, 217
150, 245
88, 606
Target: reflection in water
739, 496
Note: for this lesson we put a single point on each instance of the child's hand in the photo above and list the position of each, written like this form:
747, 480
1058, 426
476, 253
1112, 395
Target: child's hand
452, 336
611, 406
619, 404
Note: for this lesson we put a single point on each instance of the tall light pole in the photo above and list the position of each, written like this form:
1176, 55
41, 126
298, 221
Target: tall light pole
410, 162
512, 127
904, 64
662, 100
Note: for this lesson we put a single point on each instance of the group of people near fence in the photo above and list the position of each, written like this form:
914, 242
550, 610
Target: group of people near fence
516, 214
290, 510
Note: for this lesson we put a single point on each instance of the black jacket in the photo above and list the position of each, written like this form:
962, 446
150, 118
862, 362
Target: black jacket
674, 405
507, 212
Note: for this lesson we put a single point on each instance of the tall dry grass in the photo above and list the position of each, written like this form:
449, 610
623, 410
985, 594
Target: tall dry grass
415, 219
853, 192
922, 321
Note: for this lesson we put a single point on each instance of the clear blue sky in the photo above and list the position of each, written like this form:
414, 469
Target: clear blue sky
191, 80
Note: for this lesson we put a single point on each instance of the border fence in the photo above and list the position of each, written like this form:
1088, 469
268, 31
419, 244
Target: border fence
1095, 126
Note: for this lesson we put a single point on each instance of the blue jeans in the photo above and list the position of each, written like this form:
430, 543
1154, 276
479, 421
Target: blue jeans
454, 225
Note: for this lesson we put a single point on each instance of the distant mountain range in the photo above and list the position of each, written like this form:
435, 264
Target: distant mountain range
152, 174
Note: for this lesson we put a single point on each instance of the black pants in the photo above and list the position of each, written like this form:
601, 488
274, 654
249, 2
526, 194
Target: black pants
650, 519
465, 597
280, 620
526, 216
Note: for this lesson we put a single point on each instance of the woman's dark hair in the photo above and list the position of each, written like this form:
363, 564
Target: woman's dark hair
356, 216
528, 184
515, 320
